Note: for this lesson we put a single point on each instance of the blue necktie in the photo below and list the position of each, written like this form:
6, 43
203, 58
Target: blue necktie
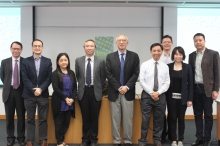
122, 69
88, 72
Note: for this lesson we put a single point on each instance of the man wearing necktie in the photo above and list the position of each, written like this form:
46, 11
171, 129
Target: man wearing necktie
155, 80
11, 95
122, 70
90, 74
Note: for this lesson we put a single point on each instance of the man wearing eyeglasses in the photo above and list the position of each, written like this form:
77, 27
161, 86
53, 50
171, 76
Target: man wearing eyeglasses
167, 43
36, 73
122, 70
11, 95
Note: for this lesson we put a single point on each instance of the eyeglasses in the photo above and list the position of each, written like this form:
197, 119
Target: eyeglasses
92, 46
122, 40
37, 46
18, 49
167, 42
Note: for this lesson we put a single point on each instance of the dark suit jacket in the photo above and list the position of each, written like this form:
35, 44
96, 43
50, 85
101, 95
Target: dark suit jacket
98, 76
187, 84
6, 75
58, 95
210, 70
30, 78
131, 70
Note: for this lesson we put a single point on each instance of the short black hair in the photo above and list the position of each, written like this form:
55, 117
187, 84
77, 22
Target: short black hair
18, 43
167, 36
37, 40
199, 34
89, 40
156, 44
180, 50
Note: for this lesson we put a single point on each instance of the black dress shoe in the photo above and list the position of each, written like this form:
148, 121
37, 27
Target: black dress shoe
197, 143
10, 142
83, 144
128, 144
205, 143
117, 144
22, 143
93, 144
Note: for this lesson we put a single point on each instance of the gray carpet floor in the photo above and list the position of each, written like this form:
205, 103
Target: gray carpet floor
189, 135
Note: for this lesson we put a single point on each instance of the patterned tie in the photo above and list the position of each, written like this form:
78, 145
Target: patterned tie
155, 77
15, 76
88, 72
122, 69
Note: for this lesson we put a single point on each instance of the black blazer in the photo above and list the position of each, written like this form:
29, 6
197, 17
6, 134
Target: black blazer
6, 75
30, 78
131, 70
58, 95
187, 84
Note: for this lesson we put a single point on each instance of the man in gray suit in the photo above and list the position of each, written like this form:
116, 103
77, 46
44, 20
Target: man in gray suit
90, 74
205, 67
11, 95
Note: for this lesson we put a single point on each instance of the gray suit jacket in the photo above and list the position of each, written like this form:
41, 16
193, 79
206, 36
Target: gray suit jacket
98, 76
6, 75
210, 70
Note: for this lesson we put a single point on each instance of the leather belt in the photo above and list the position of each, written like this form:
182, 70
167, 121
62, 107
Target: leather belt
199, 85
90, 86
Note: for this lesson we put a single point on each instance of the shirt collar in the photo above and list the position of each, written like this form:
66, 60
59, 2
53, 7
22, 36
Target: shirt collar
92, 58
165, 54
13, 59
119, 53
202, 52
153, 61
36, 58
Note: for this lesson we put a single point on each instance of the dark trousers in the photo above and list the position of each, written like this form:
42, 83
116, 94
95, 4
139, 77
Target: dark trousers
61, 122
158, 107
202, 103
177, 111
90, 108
42, 104
15, 102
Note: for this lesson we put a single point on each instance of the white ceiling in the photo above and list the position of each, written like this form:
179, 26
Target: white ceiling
113, 3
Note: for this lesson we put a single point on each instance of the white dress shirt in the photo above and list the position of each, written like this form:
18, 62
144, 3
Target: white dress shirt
13, 66
92, 65
147, 76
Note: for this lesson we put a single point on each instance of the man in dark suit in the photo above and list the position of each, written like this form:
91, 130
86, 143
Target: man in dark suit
122, 70
11, 95
205, 67
36, 73
90, 74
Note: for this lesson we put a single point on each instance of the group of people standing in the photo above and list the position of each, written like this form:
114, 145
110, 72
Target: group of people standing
177, 85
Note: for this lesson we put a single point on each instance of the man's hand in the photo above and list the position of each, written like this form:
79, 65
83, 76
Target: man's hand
189, 103
37, 91
214, 95
123, 89
155, 96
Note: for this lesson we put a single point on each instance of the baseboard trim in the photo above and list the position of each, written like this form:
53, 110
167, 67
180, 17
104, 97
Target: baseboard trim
187, 117
3, 117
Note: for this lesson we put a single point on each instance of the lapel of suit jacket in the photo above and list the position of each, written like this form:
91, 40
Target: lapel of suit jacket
128, 55
10, 65
116, 57
33, 65
94, 66
171, 73
205, 55
83, 65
